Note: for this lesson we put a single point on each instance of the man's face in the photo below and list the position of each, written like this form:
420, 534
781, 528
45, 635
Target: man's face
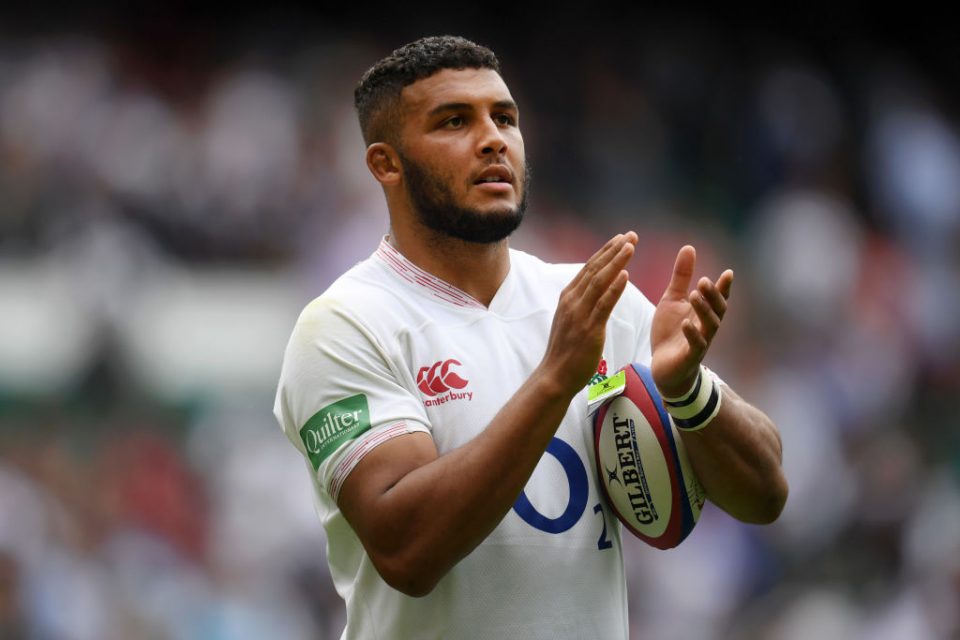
462, 155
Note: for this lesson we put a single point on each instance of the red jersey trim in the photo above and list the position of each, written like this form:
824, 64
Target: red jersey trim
429, 282
345, 466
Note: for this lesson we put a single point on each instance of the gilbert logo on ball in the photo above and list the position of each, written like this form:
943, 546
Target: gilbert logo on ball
643, 466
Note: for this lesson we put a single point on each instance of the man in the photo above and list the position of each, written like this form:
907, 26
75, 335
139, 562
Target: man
426, 384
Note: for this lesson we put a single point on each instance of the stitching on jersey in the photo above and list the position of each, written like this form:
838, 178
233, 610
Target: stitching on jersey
345, 466
415, 275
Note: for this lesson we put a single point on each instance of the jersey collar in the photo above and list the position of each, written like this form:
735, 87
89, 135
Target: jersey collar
427, 282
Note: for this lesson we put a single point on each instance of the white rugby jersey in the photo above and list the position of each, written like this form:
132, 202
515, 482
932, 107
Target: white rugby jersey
389, 349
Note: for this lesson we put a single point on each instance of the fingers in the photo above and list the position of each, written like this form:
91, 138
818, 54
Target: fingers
600, 282
709, 318
602, 258
608, 300
697, 312
716, 295
599, 256
682, 274
709, 302
698, 343
725, 283
590, 297
579, 323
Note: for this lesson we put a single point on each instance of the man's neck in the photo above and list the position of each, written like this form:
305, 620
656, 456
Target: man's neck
476, 269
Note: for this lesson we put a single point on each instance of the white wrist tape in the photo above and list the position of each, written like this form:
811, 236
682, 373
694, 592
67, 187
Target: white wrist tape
695, 409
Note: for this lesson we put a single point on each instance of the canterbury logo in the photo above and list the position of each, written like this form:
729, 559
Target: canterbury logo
440, 378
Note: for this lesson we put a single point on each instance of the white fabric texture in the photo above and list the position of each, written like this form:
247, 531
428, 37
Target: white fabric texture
551, 569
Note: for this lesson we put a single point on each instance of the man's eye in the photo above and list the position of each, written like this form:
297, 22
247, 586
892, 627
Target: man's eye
454, 123
505, 119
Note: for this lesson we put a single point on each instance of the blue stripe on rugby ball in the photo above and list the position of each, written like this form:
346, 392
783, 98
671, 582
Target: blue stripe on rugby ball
647, 378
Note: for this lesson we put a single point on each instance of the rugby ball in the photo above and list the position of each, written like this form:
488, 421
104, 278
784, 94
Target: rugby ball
643, 466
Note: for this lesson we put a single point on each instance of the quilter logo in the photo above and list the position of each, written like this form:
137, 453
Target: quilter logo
442, 383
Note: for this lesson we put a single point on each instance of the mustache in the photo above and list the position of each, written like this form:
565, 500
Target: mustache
525, 172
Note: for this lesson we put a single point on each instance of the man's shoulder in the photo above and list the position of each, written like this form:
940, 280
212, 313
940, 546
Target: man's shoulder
358, 292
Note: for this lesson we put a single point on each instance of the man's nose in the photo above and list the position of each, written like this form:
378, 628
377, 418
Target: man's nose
491, 140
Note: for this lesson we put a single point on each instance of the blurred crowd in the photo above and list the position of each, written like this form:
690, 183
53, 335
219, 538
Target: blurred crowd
156, 213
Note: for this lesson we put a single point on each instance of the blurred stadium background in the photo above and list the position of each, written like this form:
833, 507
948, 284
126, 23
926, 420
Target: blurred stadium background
175, 185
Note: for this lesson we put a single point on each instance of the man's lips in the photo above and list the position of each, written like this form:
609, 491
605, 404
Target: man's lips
495, 174
494, 187
495, 179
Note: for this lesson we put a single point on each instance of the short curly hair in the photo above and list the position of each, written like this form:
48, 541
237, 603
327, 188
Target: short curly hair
377, 96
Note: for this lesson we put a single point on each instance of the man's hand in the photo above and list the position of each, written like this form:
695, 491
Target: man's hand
579, 324
684, 324
737, 458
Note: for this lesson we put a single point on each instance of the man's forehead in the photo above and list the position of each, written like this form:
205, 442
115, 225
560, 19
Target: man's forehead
455, 86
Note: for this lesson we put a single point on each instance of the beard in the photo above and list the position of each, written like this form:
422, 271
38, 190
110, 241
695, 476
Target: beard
436, 208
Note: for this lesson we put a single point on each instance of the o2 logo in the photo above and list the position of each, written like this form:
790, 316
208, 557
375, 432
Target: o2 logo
577, 480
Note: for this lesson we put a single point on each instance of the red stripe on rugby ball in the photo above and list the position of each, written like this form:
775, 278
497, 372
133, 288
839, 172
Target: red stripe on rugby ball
642, 400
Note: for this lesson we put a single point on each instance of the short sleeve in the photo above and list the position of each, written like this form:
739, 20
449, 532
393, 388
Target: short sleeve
341, 394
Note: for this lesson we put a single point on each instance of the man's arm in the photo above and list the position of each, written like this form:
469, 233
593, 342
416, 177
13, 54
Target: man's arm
737, 459
418, 513
738, 456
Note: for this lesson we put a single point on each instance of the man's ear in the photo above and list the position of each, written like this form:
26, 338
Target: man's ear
384, 163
